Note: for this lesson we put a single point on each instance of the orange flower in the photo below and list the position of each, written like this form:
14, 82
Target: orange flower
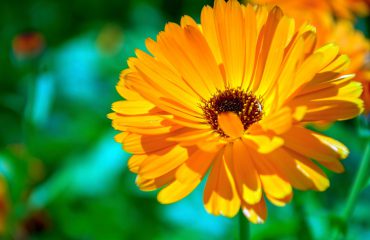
231, 96
340, 8
28, 45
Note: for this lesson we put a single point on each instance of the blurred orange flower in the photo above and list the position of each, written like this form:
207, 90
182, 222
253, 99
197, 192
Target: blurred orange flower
28, 45
357, 47
346, 8
340, 8
232, 95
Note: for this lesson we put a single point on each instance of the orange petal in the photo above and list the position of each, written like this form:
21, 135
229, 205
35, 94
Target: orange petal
286, 165
256, 213
311, 171
316, 146
246, 177
335, 166
220, 196
230, 123
230, 30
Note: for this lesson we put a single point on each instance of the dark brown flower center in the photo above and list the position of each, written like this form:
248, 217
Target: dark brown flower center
247, 106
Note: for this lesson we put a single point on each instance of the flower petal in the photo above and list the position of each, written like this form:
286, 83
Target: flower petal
246, 177
230, 124
163, 161
286, 165
220, 196
273, 182
256, 213
188, 176
311, 171
316, 146
263, 143
155, 183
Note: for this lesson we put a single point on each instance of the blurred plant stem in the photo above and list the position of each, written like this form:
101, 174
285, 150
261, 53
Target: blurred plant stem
28, 123
243, 227
357, 187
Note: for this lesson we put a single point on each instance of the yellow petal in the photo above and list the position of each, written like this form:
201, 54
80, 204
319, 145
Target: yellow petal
135, 161
263, 143
280, 202
278, 122
209, 31
273, 183
275, 56
187, 20
134, 107
120, 137
176, 191
163, 162
188, 176
250, 45
203, 58
230, 32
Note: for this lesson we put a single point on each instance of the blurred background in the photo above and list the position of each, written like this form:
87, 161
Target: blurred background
62, 176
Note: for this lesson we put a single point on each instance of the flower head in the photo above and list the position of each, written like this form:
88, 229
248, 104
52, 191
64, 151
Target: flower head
231, 96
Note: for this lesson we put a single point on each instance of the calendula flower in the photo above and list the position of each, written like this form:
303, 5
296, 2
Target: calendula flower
231, 96
340, 8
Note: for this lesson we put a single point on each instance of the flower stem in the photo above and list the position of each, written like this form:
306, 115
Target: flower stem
243, 227
358, 185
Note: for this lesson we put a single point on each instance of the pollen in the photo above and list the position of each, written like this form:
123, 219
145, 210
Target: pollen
247, 106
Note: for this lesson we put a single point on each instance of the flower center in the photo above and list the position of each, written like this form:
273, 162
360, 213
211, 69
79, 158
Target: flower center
247, 106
